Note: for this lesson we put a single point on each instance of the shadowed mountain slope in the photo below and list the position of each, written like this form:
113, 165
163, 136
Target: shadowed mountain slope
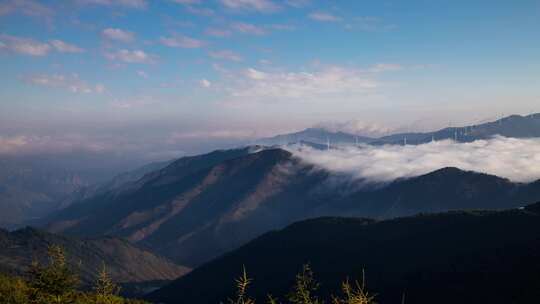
125, 262
196, 209
455, 257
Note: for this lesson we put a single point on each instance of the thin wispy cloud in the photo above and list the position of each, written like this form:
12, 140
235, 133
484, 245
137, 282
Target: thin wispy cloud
357, 127
116, 34
515, 159
226, 55
136, 4
26, 7
205, 83
131, 56
31, 47
259, 85
64, 47
142, 74
187, 2
181, 41
265, 6
247, 28
71, 83
216, 32
25, 46
324, 17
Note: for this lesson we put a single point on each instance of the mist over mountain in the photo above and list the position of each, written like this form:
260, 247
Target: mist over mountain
465, 257
200, 207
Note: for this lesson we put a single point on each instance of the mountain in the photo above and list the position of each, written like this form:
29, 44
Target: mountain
200, 207
515, 126
125, 262
116, 183
316, 136
442, 190
455, 257
32, 187
197, 208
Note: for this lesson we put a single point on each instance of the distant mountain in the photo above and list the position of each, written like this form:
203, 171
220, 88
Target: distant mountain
200, 207
117, 183
125, 262
316, 136
456, 257
515, 126
512, 126
30, 189
33, 187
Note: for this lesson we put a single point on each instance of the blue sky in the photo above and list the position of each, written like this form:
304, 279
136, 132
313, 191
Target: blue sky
173, 75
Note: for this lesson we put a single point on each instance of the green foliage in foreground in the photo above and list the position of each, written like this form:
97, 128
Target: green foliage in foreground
304, 291
56, 283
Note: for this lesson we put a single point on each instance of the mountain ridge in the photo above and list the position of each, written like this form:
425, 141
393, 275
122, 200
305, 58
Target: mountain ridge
417, 256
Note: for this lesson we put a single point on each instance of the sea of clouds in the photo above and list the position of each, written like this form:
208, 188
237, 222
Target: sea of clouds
512, 158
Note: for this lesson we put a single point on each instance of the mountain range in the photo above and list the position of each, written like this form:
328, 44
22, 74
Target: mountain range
455, 257
32, 187
200, 207
515, 126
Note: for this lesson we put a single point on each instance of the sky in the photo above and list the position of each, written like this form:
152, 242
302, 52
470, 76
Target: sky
165, 78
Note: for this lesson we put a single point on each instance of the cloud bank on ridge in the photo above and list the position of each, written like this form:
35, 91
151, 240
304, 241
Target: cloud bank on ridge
515, 159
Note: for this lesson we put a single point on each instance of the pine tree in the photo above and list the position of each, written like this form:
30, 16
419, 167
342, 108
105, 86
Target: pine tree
54, 282
304, 288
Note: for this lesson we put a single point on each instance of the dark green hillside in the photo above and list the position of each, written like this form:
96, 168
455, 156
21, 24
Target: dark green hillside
455, 257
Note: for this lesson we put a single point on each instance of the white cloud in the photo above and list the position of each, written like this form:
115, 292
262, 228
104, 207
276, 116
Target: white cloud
324, 17
134, 102
265, 6
187, 2
201, 11
131, 56
118, 35
142, 74
215, 32
205, 83
247, 28
31, 47
515, 159
25, 46
254, 74
357, 127
384, 67
297, 3
137, 4
226, 55
12, 144
70, 82
323, 83
26, 7
182, 42
64, 47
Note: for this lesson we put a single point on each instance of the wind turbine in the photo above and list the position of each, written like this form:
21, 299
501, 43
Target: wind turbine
327, 143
